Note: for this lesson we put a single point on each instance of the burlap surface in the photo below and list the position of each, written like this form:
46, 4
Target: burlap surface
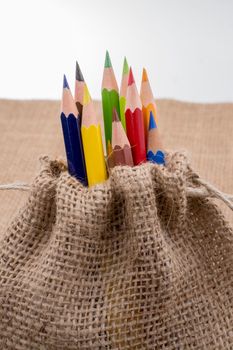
129, 264
32, 128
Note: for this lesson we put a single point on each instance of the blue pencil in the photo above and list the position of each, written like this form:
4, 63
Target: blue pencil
72, 135
155, 153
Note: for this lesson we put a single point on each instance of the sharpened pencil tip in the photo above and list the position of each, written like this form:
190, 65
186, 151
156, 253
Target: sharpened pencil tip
115, 117
131, 77
79, 75
125, 67
107, 63
65, 83
144, 75
152, 123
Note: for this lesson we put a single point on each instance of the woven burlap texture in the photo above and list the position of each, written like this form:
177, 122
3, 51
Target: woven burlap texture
128, 264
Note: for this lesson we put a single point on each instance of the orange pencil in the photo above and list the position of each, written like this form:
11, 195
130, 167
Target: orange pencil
148, 102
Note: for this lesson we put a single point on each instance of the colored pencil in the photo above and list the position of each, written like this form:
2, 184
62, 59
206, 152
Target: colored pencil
92, 142
123, 91
121, 151
79, 90
72, 135
110, 97
155, 153
148, 102
134, 122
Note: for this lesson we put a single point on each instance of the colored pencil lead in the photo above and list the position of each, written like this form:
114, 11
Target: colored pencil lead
107, 63
79, 75
65, 82
131, 77
144, 75
125, 66
152, 123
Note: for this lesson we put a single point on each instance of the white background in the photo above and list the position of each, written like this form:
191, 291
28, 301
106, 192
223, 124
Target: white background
186, 45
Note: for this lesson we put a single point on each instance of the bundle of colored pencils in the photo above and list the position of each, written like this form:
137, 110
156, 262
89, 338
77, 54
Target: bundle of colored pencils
130, 125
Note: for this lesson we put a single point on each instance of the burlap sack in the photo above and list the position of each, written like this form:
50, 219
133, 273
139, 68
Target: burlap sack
134, 263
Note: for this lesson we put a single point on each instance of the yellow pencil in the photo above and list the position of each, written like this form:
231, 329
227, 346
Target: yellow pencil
92, 142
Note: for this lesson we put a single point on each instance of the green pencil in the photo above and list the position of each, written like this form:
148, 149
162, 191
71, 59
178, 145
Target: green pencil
110, 98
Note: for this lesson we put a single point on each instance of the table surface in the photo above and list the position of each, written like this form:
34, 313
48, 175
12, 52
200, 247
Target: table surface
30, 129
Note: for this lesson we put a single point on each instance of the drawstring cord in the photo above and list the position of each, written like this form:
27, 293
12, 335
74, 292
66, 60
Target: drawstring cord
205, 190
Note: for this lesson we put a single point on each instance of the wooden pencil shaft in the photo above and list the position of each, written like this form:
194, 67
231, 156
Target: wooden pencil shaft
121, 156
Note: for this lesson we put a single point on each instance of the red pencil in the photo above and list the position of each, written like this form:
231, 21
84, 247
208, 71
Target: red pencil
134, 122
